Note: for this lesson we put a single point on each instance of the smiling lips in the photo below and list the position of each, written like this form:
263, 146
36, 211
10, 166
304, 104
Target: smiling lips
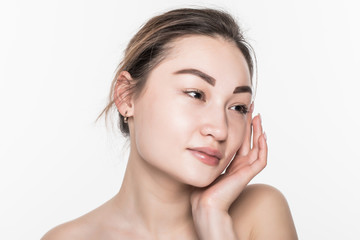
207, 155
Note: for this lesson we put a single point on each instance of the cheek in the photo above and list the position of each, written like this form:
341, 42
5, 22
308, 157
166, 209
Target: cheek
162, 126
236, 137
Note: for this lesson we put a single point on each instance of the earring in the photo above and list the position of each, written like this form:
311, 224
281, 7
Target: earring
125, 118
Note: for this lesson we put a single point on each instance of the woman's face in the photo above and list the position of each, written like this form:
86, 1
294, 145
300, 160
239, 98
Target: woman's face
190, 119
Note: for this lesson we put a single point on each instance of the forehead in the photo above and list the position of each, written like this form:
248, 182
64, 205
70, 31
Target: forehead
216, 56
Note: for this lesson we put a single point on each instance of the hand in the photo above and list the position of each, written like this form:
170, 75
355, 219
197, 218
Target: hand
247, 163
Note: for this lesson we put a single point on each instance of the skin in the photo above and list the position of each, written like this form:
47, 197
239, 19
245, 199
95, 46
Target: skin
167, 192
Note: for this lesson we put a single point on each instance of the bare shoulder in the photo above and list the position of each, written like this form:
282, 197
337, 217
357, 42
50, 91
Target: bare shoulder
86, 227
100, 223
75, 229
262, 212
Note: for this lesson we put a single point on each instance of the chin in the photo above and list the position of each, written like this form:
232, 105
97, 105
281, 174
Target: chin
198, 177
200, 185
200, 182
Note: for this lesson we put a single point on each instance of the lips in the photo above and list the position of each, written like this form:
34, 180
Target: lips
209, 156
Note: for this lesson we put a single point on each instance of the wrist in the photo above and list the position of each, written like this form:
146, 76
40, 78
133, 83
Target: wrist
213, 224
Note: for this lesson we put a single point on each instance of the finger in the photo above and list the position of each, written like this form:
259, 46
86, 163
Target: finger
257, 130
241, 161
250, 170
246, 145
261, 162
263, 152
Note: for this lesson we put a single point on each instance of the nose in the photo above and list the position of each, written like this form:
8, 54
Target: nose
215, 124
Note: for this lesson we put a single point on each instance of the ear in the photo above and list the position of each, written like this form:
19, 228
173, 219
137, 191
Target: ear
123, 97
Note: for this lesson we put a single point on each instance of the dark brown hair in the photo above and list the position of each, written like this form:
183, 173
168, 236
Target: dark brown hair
152, 42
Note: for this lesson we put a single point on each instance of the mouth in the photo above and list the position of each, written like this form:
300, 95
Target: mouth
206, 155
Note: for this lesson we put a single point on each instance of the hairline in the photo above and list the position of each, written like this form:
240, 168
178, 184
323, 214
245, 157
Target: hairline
167, 51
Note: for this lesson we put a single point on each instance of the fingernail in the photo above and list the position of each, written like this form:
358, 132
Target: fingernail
265, 136
260, 118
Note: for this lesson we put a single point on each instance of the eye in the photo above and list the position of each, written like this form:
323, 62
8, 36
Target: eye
242, 109
195, 93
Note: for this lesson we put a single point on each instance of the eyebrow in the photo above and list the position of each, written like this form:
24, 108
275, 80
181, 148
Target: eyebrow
198, 73
242, 89
211, 80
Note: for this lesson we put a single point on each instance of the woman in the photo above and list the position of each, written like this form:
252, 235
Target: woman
184, 96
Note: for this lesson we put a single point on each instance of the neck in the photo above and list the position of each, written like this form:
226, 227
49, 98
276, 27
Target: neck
153, 200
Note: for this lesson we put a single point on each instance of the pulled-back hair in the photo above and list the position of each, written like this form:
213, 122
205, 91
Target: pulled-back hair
151, 44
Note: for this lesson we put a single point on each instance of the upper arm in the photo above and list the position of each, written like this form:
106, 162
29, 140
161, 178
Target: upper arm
264, 212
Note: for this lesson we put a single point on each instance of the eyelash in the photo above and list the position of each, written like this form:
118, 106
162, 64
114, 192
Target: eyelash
196, 91
243, 108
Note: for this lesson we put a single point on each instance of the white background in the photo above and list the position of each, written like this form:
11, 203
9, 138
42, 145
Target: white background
57, 59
